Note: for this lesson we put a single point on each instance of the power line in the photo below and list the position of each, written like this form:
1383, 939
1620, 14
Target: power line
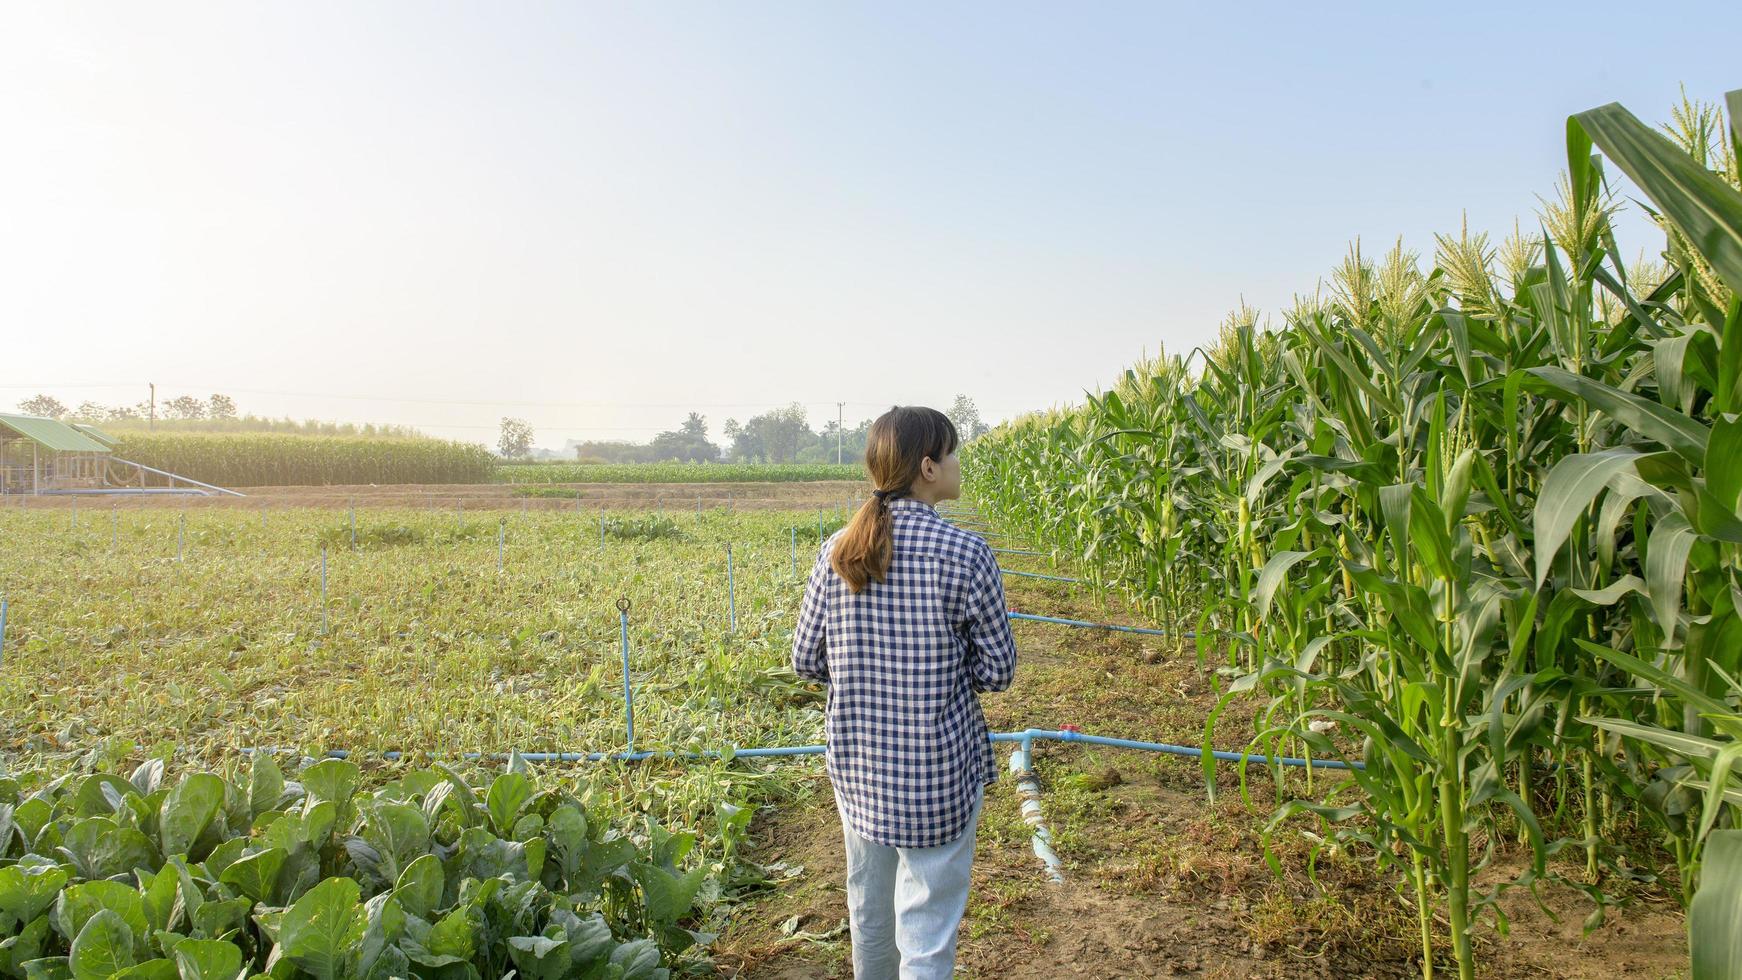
226, 389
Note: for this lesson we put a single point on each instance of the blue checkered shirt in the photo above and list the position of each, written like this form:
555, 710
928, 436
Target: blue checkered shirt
904, 660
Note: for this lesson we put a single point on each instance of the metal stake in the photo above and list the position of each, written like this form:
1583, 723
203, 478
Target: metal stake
628, 691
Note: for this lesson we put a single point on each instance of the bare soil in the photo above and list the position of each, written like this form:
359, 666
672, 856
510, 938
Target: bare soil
816, 495
1160, 882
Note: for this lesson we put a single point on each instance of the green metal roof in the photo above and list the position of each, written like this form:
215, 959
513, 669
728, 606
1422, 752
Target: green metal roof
96, 433
50, 434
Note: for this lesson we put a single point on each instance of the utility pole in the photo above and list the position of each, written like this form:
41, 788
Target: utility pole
840, 428
152, 422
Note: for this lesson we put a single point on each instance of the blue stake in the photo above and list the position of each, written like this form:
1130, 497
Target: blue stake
75, 513
819, 530
181, 536
501, 542
2, 630
353, 524
601, 527
731, 590
114, 525
795, 551
323, 590
628, 692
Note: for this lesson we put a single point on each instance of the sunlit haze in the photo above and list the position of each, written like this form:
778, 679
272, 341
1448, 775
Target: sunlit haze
600, 217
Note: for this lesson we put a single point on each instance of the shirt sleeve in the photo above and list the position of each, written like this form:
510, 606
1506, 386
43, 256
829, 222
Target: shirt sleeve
992, 653
809, 650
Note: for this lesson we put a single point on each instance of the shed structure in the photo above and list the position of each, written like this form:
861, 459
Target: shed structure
47, 456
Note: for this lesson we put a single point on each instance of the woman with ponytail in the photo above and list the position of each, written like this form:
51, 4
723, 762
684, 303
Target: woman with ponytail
904, 619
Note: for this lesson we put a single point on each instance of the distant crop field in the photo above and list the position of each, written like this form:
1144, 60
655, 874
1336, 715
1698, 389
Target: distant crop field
677, 472
261, 459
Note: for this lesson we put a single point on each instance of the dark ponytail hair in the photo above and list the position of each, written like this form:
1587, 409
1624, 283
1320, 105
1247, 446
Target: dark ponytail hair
899, 441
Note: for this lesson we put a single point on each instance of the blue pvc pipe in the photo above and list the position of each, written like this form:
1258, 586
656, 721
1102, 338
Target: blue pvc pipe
1051, 578
1026, 737
731, 591
628, 692
1018, 551
794, 536
967, 523
1081, 624
3, 604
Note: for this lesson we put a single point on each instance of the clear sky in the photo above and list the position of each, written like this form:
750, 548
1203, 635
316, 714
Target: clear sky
598, 216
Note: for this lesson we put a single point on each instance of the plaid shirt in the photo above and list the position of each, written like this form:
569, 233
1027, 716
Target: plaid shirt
904, 659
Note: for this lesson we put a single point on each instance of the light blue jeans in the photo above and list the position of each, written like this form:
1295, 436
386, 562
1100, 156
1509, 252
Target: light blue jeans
906, 903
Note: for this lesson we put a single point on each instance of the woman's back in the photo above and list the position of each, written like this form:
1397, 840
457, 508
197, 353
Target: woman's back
904, 658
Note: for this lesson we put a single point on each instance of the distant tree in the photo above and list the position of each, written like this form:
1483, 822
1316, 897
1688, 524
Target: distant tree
516, 438
46, 406
221, 407
89, 413
688, 443
184, 407
777, 436
615, 451
121, 413
852, 446
967, 418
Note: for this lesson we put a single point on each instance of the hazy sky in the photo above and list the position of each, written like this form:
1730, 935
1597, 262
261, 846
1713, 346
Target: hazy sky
598, 216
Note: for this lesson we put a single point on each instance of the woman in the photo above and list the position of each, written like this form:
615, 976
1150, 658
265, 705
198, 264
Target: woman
904, 619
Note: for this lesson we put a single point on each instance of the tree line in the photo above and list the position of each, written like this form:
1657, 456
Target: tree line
782, 435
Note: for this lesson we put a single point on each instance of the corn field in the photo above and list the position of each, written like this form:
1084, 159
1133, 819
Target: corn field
1478, 527
269, 459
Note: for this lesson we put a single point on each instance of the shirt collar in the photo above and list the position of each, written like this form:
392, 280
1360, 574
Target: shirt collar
908, 503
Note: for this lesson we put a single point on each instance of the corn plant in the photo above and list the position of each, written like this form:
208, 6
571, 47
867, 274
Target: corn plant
1476, 526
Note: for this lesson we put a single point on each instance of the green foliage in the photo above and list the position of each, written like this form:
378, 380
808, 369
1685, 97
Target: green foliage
418, 877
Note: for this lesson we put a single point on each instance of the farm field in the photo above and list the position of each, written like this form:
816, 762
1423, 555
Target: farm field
274, 459
442, 635
116, 653
670, 498
1461, 544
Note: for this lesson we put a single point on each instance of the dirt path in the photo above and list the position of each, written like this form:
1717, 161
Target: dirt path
1159, 882
498, 496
